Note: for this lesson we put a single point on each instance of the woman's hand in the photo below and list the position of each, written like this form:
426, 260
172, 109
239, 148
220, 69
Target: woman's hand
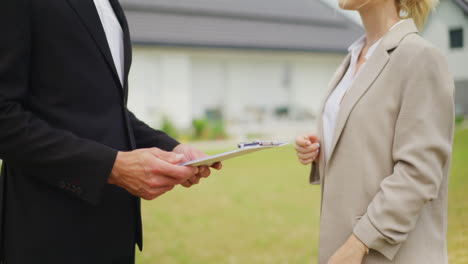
352, 252
307, 148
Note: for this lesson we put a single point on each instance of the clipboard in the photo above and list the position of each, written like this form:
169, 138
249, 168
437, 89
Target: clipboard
243, 149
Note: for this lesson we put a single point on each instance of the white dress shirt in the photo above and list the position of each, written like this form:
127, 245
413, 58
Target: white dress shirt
114, 34
332, 106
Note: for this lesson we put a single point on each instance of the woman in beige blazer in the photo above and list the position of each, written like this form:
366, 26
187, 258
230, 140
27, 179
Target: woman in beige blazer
385, 141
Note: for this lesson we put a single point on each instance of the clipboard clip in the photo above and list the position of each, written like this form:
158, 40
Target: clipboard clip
257, 143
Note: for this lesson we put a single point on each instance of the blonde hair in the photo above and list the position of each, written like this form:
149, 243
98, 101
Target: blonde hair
418, 10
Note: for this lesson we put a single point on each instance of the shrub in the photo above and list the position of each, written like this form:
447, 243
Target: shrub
217, 130
459, 119
169, 128
199, 128
205, 129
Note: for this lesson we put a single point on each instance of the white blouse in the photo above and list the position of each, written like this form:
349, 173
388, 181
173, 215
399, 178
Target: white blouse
114, 34
332, 106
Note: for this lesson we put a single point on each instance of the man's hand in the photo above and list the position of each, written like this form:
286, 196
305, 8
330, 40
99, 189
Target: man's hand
149, 173
352, 252
307, 148
190, 153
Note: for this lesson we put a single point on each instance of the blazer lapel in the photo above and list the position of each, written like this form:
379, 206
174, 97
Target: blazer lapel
331, 87
87, 12
369, 74
361, 84
336, 79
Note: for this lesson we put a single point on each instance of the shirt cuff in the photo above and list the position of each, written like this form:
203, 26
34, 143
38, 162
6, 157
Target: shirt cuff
373, 239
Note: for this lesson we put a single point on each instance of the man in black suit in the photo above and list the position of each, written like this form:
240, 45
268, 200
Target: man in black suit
76, 160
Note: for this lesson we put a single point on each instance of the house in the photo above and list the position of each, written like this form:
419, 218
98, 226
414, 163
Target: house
262, 66
447, 28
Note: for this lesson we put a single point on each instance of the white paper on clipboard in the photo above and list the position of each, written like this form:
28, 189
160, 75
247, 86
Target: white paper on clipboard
249, 148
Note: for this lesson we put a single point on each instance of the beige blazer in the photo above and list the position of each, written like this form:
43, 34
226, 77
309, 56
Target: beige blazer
386, 179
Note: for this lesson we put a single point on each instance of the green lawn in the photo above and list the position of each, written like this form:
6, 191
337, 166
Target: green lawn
458, 201
260, 209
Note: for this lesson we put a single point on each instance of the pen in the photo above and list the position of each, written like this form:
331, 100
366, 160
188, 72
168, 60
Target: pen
257, 143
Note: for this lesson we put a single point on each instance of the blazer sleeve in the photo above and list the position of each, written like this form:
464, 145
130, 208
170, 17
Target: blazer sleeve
147, 137
314, 177
421, 152
27, 142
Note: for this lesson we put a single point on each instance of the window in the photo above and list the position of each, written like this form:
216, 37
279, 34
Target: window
456, 38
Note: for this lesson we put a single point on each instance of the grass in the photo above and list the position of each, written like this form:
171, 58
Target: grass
458, 201
260, 209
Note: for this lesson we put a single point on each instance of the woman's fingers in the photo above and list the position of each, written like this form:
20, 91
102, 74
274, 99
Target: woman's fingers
312, 148
306, 140
303, 141
312, 138
306, 156
307, 148
306, 162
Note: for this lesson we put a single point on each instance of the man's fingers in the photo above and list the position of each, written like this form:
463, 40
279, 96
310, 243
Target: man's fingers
217, 166
186, 184
163, 168
161, 181
156, 192
170, 157
190, 153
194, 180
181, 172
204, 172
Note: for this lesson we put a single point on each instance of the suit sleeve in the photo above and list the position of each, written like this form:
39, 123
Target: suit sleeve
147, 137
28, 143
421, 153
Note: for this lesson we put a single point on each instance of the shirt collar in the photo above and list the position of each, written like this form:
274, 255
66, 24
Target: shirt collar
356, 47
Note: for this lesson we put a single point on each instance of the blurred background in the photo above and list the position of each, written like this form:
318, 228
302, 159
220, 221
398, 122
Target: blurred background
214, 72
219, 69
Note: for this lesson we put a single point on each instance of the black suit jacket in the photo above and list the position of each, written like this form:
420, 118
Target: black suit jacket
63, 117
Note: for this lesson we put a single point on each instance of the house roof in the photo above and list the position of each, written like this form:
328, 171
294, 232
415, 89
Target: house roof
463, 4
306, 25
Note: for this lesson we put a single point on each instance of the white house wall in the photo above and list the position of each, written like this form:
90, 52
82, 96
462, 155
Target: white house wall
182, 83
145, 98
160, 86
447, 16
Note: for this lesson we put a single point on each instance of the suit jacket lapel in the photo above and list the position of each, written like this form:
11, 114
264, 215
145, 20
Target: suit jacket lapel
127, 41
369, 74
89, 16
